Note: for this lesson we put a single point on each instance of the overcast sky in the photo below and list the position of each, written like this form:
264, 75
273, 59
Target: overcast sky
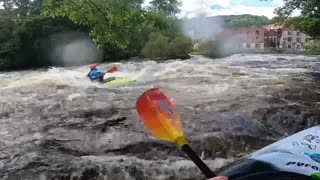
191, 8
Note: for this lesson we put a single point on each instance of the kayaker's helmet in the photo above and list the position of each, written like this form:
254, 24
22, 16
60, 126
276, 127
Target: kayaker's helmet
92, 66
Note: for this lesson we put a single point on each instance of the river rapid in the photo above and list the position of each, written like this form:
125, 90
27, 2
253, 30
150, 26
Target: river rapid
56, 124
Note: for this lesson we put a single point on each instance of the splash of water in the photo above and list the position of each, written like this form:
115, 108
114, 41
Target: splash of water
202, 27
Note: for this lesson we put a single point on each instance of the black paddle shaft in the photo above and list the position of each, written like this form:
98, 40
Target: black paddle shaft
200, 164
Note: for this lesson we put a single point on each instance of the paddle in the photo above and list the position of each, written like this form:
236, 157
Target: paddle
112, 69
159, 116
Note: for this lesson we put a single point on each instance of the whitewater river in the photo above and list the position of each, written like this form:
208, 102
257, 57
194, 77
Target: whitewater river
56, 124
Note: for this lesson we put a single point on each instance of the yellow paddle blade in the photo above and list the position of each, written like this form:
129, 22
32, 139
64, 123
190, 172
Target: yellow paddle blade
159, 116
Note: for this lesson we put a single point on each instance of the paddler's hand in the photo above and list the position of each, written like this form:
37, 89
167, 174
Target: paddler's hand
219, 178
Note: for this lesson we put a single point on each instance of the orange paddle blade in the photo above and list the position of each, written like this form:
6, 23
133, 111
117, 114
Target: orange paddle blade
160, 117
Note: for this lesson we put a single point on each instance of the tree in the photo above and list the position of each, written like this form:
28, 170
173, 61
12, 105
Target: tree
22, 7
157, 46
276, 19
170, 7
310, 26
120, 27
246, 20
165, 47
309, 8
24, 41
7, 4
180, 47
211, 48
9, 40
308, 22
111, 21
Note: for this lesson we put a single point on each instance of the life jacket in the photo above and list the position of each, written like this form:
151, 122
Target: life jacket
94, 74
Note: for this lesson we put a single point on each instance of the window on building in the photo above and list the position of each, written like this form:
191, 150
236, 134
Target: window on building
289, 39
298, 46
289, 33
257, 32
298, 33
257, 38
248, 45
298, 39
289, 46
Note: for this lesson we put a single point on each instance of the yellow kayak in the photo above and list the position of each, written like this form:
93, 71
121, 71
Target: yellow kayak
120, 81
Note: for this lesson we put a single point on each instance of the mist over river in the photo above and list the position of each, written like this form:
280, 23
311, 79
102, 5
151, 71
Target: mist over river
56, 124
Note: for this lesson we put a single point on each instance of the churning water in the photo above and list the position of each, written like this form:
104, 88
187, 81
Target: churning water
56, 124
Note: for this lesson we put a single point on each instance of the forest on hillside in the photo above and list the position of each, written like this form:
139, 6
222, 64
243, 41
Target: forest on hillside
120, 28
247, 20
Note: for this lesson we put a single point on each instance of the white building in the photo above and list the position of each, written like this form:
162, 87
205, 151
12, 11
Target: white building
288, 38
291, 39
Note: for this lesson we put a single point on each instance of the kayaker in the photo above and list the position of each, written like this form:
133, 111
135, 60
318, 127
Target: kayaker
97, 75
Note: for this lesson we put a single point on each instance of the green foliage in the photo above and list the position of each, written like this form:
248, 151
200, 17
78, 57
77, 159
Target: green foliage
237, 21
21, 40
173, 27
37, 27
9, 40
210, 48
170, 7
310, 26
114, 22
22, 7
309, 8
111, 21
160, 23
161, 46
22, 32
313, 48
308, 22
276, 19
180, 47
157, 46
120, 27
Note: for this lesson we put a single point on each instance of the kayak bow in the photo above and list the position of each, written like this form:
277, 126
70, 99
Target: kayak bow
120, 81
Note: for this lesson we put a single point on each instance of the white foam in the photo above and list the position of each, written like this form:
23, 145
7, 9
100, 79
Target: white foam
219, 74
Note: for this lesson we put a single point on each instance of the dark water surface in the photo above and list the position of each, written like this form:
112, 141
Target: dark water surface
55, 124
